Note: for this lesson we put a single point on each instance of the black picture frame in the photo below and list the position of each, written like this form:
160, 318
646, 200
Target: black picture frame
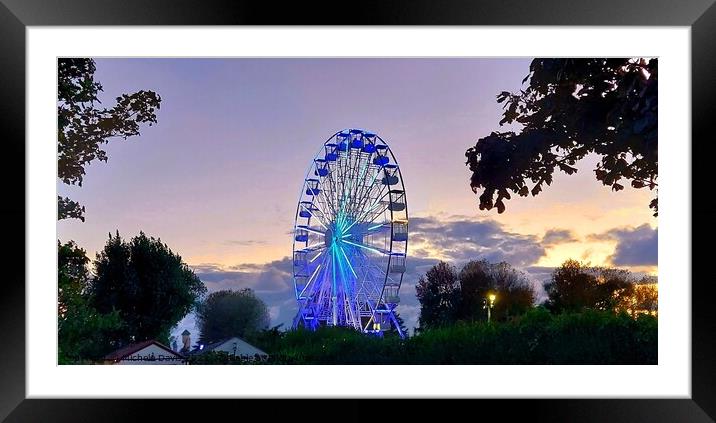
16, 15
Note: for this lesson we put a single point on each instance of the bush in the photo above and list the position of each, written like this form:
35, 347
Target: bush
537, 337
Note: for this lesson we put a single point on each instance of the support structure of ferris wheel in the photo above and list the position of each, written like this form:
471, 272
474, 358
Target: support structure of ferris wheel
350, 235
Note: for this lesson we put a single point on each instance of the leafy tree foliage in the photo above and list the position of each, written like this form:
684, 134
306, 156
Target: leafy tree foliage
570, 288
439, 294
73, 275
447, 296
83, 333
571, 108
149, 285
575, 286
646, 297
230, 313
514, 291
83, 128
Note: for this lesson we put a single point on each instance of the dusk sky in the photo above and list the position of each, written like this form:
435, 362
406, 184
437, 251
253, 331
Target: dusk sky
218, 177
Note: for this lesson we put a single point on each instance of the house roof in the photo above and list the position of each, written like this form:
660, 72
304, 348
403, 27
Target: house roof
133, 348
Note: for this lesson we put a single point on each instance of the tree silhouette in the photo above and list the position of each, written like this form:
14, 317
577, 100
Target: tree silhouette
149, 285
439, 294
82, 332
514, 292
83, 128
230, 313
575, 286
646, 297
571, 108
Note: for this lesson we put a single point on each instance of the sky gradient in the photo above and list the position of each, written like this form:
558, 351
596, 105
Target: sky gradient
218, 177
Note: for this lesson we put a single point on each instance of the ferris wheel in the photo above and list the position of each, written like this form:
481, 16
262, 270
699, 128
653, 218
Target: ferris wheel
350, 235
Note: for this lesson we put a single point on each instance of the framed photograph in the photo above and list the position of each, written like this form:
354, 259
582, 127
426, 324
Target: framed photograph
426, 201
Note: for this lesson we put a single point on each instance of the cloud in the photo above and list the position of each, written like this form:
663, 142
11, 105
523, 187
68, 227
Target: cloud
274, 311
463, 239
538, 275
606, 236
246, 243
558, 236
275, 276
410, 315
587, 253
635, 247
206, 267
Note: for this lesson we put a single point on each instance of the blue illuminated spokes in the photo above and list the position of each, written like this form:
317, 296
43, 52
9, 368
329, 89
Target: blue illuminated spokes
337, 240
343, 240
341, 278
344, 237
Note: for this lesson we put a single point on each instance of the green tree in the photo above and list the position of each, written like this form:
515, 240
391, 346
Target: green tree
83, 128
575, 286
150, 286
570, 288
228, 313
439, 294
475, 281
615, 288
83, 333
646, 297
515, 294
571, 108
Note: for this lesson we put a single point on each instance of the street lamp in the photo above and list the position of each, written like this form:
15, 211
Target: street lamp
489, 303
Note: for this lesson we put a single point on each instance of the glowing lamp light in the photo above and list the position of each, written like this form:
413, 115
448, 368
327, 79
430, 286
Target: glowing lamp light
489, 304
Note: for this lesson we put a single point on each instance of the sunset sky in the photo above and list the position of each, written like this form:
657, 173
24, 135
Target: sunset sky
218, 177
